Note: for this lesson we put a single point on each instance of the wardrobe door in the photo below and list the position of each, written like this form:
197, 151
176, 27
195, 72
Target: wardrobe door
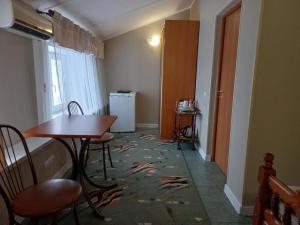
179, 63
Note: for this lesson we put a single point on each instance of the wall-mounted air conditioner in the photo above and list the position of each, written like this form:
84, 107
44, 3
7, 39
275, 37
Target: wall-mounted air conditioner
21, 18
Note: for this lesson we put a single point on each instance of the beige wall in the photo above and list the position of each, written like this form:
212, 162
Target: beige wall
18, 97
132, 64
18, 101
275, 120
195, 10
17, 84
266, 108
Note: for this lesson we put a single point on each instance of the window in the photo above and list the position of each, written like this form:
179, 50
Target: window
63, 75
73, 76
56, 96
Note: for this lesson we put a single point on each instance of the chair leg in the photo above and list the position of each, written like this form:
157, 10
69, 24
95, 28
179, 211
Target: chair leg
75, 215
87, 156
108, 150
34, 221
103, 159
54, 221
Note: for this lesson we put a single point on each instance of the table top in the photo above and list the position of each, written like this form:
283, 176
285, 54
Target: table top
75, 126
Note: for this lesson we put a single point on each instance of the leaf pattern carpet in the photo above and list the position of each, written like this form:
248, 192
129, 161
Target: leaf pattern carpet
154, 184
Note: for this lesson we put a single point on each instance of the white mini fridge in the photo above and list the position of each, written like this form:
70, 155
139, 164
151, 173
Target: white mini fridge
122, 105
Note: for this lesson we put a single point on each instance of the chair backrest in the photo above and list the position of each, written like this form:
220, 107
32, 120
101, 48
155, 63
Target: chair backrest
13, 147
13, 168
74, 108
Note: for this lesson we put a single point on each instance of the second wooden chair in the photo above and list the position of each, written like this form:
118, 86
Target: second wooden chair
74, 108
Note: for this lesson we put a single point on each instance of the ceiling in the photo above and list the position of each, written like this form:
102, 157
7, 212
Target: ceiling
110, 18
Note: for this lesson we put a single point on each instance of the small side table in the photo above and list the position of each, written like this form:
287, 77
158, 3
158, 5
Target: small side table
179, 137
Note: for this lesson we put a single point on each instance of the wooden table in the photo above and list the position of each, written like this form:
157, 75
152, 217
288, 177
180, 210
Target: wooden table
82, 127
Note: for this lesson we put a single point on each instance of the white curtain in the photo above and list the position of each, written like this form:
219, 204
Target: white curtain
77, 79
67, 76
102, 86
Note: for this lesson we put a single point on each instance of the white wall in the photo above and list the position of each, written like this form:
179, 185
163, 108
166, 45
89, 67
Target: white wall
208, 12
245, 68
205, 91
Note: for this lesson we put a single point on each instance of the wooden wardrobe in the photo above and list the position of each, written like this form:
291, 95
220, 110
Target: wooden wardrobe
178, 69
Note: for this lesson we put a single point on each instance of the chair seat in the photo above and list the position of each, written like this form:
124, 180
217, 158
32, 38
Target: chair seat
46, 198
105, 138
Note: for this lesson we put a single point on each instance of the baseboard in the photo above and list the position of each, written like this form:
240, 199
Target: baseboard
147, 125
232, 198
239, 208
203, 154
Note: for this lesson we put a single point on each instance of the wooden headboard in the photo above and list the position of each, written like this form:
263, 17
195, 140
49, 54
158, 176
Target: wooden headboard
272, 194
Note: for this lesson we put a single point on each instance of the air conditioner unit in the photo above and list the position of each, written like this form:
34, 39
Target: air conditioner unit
21, 18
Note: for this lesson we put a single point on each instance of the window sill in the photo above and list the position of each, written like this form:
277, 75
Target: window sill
34, 145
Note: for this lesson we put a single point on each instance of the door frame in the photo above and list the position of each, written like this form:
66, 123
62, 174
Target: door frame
219, 35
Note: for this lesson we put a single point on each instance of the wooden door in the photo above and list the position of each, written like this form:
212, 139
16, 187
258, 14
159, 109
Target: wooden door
231, 24
179, 65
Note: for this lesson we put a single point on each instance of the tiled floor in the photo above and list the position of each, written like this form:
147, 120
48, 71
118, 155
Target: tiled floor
210, 182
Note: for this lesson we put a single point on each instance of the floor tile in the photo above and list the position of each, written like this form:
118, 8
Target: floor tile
210, 182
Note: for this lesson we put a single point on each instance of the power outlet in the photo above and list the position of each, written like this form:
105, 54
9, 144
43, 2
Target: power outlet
49, 161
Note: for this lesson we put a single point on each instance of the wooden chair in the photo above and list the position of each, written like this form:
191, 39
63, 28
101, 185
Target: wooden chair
74, 108
22, 194
276, 202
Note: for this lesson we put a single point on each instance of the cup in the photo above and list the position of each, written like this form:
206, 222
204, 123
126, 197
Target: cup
185, 104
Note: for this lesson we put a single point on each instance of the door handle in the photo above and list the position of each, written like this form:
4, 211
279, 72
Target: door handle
220, 93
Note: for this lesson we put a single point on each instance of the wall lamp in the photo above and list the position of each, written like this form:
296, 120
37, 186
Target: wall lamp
154, 40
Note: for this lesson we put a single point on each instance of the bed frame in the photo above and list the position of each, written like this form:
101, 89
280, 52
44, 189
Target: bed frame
271, 194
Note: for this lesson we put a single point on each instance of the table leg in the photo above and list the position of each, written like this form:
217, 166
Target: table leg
82, 170
100, 189
79, 168
75, 149
179, 133
193, 131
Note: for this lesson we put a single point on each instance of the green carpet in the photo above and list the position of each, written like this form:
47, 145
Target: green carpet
154, 184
